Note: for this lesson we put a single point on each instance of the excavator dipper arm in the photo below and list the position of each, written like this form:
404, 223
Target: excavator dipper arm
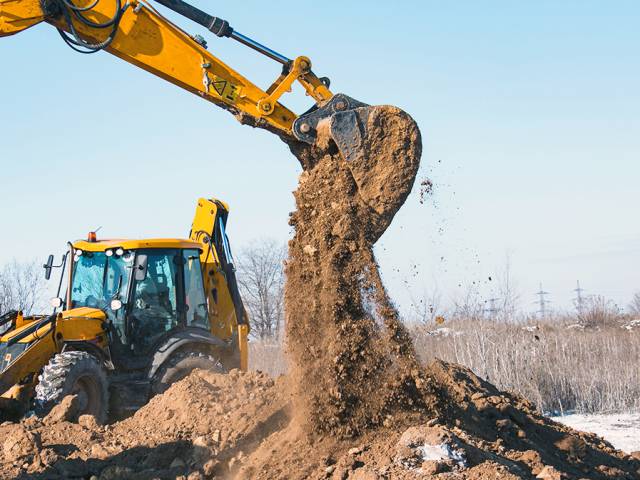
137, 33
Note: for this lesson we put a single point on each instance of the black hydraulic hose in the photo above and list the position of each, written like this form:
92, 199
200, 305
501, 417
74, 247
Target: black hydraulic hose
113, 21
76, 41
80, 9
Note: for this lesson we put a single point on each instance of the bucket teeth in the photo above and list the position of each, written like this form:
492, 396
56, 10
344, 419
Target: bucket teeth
349, 131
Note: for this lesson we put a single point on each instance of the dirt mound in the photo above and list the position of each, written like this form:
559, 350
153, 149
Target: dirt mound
240, 426
201, 426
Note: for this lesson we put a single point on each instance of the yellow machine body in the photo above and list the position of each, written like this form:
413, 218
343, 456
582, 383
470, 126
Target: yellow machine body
32, 341
223, 311
31, 353
17, 15
150, 41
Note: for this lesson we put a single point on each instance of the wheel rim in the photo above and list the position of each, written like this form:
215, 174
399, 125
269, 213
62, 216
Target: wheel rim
87, 392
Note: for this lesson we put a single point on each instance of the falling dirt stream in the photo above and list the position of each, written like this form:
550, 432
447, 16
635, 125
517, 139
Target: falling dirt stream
352, 361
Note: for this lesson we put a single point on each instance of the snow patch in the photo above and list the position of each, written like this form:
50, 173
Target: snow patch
445, 332
632, 325
622, 430
441, 452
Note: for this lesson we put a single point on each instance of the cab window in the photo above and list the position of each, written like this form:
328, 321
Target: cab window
154, 306
88, 278
196, 305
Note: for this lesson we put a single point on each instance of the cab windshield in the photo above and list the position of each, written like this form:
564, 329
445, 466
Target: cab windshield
98, 278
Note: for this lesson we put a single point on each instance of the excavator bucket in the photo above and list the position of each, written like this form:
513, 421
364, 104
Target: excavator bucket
381, 145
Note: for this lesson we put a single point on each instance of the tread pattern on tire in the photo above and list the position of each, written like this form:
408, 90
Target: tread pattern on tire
173, 365
53, 383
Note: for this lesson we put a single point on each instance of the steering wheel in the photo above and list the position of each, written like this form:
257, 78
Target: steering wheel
91, 301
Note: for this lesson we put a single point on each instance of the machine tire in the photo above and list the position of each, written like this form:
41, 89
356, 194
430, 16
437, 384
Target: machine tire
74, 373
181, 365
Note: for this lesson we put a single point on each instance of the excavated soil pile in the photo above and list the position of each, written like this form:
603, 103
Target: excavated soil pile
357, 405
202, 424
241, 426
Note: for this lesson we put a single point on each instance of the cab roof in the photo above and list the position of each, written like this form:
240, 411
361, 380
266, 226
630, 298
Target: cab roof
128, 244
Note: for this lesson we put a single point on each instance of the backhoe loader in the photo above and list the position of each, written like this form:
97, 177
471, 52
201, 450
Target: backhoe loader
101, 330
138, 315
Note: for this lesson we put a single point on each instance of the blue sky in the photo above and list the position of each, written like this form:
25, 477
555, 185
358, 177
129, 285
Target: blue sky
529, 113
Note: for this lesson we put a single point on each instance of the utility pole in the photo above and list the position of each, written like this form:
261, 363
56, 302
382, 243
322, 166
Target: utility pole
492, 310
579, 298
542, 302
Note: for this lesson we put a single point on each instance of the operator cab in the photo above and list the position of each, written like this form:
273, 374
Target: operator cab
148, 289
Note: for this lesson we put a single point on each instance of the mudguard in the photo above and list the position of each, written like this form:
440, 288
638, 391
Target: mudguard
195, 337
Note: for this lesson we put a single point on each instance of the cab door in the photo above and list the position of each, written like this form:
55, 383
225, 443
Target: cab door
157, 301
196, 312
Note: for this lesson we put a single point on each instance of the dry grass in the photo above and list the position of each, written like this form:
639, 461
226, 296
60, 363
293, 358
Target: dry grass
560, 369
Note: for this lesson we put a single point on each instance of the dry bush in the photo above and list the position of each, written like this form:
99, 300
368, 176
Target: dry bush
634, 306
597, 311
557, 366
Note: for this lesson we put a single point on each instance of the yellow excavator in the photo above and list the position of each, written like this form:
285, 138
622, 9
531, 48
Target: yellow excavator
140, 314
137, 33
137, 316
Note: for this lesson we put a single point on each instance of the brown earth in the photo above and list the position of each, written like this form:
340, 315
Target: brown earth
357, 405
241, 426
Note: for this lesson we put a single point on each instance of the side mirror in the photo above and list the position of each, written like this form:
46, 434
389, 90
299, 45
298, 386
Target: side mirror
48, 267
56, 302
116, 304
141, 268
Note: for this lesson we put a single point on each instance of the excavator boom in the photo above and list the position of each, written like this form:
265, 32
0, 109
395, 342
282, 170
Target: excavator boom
139, 34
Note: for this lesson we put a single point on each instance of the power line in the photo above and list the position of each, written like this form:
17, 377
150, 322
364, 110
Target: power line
542, 302
493, 309
579, 298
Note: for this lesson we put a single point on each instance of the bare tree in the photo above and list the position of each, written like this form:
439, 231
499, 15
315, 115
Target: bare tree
634, 306
22, 287
261, 280
427, 307
598, 311
469, 305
